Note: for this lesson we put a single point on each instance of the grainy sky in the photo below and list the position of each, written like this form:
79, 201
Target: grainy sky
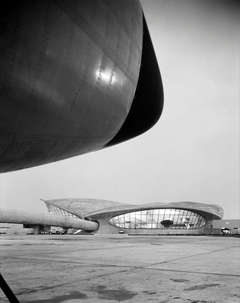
193, 152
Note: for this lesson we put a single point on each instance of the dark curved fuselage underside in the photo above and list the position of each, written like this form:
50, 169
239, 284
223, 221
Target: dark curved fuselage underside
75, 76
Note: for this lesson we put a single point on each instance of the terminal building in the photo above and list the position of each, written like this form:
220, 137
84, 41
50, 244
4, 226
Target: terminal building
95, 216
150, 218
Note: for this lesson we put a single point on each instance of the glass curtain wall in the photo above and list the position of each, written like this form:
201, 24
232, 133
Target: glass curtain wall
155, 218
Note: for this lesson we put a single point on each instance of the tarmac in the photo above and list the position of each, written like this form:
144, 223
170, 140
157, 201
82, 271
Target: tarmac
121, 268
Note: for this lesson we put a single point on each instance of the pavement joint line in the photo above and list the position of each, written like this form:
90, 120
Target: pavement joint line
134, 267
101, 248
171, 270
39, 288
104, 275
195, 255
70, 282
195, 272
86, 249
152, 264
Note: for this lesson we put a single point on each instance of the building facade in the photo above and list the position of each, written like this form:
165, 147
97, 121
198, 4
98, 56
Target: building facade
155, 218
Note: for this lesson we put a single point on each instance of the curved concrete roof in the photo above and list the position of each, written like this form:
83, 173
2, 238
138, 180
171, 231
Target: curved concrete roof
81, 207
95, 208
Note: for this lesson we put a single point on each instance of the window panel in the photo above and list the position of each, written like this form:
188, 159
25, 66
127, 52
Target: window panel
152, 219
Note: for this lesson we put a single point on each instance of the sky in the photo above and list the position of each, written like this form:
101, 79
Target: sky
193, 152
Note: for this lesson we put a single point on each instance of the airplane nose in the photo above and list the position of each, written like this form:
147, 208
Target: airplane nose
147, 104
75, 77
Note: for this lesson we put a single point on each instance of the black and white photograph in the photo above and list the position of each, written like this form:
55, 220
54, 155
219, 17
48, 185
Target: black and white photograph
120, 151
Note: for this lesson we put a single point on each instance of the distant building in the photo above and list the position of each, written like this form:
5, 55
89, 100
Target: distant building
233, 226
14, 229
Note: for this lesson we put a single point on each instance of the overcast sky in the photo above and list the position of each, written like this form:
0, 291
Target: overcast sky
192, 153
